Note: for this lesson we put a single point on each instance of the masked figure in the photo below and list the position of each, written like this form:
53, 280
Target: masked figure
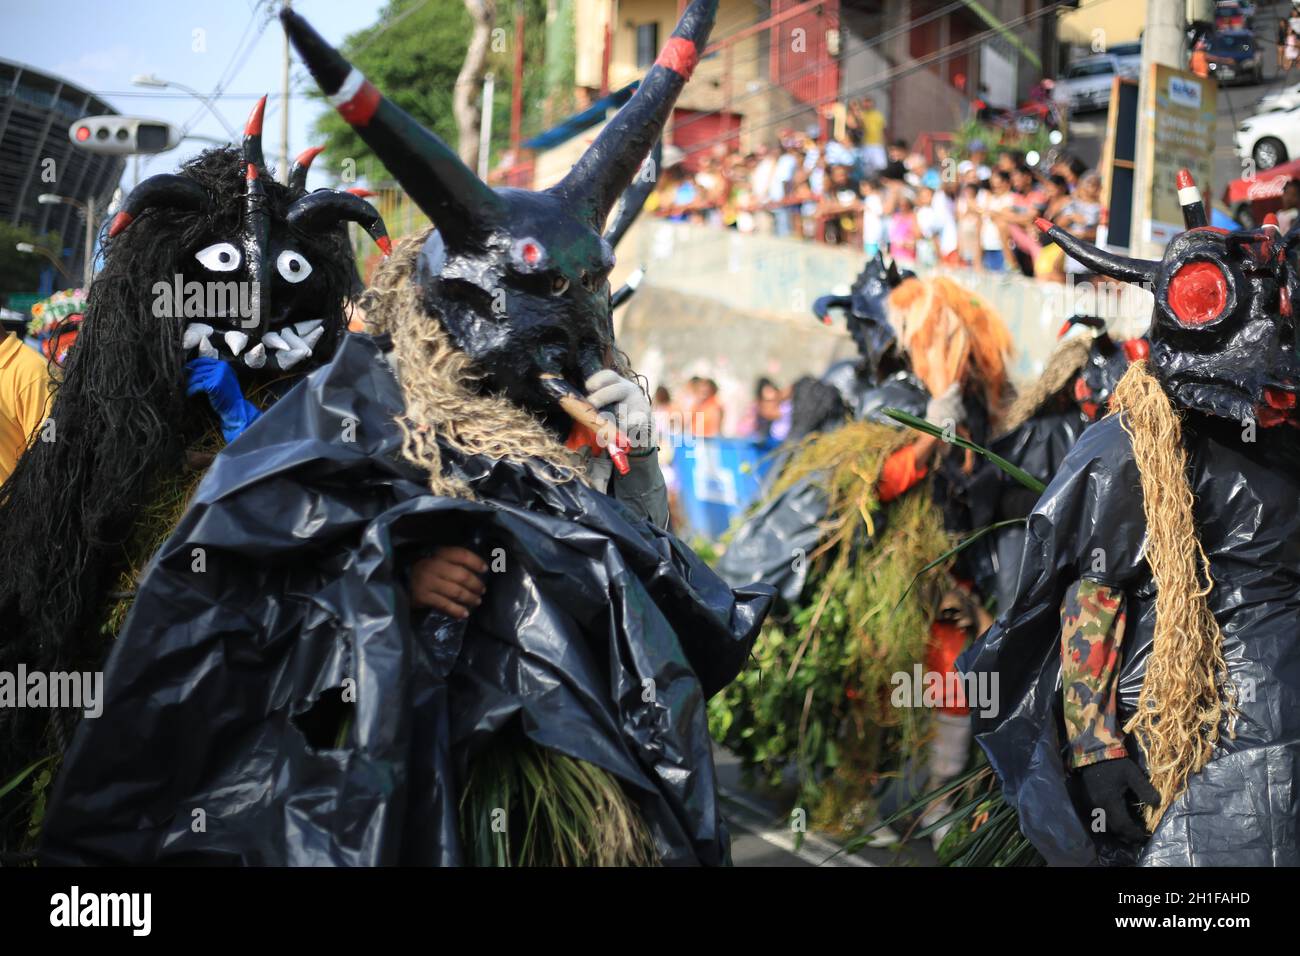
1147, 662
562, 719
878, 377
220, 287
855, 513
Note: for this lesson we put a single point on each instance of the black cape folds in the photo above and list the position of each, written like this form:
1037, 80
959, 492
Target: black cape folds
602, 636
1242, 809
1038, 445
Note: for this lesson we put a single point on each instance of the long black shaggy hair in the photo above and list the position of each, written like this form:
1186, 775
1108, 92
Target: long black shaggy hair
120, 423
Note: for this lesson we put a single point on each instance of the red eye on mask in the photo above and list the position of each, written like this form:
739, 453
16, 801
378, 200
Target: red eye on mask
1198, 293
528, 255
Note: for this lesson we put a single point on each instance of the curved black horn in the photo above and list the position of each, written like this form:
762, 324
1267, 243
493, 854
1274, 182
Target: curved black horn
257, 220
634, 197
459, 203
823, 304
1098, 260
253, 137
625, 291
608, 165
165, 191
301, 163
325, 207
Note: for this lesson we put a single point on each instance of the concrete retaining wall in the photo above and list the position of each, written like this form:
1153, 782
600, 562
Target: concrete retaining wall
735, 307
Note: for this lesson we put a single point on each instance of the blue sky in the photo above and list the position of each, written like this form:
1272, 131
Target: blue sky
102, 44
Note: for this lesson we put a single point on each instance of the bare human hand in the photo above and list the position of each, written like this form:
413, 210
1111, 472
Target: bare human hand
450, 580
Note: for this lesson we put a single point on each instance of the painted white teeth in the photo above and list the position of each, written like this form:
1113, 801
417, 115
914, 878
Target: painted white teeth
306, 328
235, 341
275, 341
293, 341
207, 349
312, 337
194, 333
287, 360
256, 356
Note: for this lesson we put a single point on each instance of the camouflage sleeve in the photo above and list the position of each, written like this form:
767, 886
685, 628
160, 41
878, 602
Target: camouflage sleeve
1092, 634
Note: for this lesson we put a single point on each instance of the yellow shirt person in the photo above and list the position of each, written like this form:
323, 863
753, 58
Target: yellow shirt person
24, 399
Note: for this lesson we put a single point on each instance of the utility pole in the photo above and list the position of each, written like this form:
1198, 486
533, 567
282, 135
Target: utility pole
88, 268
284, 111
485, 125
1162, 43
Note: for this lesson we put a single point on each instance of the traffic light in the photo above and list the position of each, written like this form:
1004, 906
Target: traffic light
123, 135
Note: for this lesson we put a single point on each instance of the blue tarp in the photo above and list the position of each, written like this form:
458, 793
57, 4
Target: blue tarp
578, 122
720, 478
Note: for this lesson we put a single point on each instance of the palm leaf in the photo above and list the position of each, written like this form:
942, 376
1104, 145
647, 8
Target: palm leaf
23, 774
928, 428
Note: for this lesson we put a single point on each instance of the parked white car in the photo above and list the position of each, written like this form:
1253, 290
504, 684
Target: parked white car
1283, 99
1270, 138
1086, 84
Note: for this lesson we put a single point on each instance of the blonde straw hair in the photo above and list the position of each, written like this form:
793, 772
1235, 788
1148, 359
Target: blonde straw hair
1062, 366
438, 381
1186, 692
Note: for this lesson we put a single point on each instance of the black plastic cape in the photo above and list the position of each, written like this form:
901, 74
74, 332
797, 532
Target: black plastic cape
1242, 809
1038, 445
601, 636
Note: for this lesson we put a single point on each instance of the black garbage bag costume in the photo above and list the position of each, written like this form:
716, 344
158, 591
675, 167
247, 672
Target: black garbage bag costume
326, 720
1223, 356
220, 288
594, 607
1044, 423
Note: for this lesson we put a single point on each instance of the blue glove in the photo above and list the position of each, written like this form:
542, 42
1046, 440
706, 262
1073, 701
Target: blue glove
217, 380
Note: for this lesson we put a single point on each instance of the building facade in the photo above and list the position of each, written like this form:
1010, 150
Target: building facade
36, 110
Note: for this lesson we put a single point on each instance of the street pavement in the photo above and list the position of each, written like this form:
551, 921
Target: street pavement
761, 834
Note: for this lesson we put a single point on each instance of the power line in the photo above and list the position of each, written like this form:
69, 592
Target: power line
236, 62
872, 83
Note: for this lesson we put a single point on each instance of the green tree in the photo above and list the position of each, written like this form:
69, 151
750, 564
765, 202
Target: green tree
414, 54
21, 271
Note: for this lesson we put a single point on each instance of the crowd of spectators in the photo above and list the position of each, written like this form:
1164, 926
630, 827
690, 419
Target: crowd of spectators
850, 185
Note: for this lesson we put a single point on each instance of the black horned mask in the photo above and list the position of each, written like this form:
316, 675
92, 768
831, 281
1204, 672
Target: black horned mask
1223, 336
519, 279
865, 313
1107, 361
268, 249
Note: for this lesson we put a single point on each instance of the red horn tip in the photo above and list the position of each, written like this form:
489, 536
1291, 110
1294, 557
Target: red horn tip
679, 55
308, 155
120, 222
1043, 224
1271, 220
1185, 179
254, 125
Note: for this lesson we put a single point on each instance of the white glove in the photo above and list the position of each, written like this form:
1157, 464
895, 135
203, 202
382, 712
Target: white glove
625, 405
946, 411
